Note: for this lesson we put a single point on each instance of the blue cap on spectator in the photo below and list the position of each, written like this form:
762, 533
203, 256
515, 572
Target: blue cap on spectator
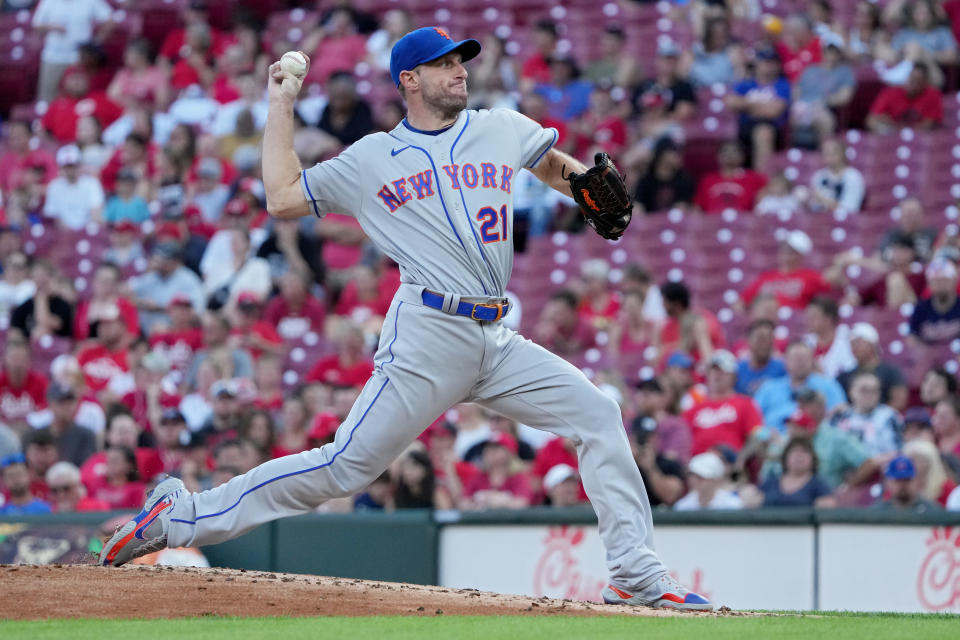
900, 468
679, 359
424, 45
918, 415
13, 458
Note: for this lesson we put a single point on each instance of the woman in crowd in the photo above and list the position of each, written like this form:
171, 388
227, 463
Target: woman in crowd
415, 482
121, 487
257, 427
295, 421
798, 485
666, 183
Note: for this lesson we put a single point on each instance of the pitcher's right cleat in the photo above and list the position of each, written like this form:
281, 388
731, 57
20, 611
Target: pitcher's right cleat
147, 531
665, 593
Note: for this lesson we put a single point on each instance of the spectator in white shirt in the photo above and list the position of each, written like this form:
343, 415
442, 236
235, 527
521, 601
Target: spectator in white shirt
16, 287
65, 25
829, 339
706, 477
837, 185
73, 199
224, 280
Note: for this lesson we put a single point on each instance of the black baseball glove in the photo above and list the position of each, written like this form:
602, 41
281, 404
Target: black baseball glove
602, 197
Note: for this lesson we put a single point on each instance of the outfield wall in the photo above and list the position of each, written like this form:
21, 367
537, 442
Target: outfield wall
769, 559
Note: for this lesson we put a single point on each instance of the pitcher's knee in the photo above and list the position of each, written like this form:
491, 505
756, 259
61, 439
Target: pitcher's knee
603, 417
353, 481
609, 410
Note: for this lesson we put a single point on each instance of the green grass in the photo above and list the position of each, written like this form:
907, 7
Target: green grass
831, 625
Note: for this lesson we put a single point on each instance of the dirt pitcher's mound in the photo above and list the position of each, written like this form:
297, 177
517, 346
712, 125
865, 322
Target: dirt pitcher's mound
79, 591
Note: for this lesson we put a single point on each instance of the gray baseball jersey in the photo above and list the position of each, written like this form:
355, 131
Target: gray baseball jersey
440, 204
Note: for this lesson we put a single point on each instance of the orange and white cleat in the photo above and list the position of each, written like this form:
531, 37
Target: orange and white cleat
665, 593
147, 531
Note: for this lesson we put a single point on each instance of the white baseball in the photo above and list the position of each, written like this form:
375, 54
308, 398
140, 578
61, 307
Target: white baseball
294, 63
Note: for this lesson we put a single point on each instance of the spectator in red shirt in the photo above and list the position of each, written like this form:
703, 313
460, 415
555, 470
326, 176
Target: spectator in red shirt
334, 46
182, 339
599, 304
76, 101
917, 104
897, 280
120, 486
22, 391
139, 81
501, 484
560, 329
723, 417
536, 68
555, 452
104, 287
601, 128
731, 186
67, 493
40, 453
250, 332
107, 356
692, 331
268, 378
18, 155
799, 47
350, 366
295, 312
138, 154
122, 431
175, 45
452, 473
364, 298
631, 332
196, 64
793, 284
168, 438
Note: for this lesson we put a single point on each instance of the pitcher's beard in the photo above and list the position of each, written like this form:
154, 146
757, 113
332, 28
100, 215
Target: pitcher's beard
447, 107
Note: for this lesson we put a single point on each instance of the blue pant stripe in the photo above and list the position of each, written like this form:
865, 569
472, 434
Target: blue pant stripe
293, 473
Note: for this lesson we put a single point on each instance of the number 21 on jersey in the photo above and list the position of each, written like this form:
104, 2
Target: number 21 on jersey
490, 224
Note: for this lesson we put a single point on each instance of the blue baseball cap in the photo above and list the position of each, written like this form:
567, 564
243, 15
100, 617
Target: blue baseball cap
900, 468
680, 359
13, 458
424, 45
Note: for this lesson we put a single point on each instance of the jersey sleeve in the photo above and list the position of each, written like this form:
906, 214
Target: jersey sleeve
333, 185
533, 139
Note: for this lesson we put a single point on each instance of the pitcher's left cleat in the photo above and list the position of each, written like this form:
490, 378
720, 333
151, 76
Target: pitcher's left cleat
147, 531
665, 593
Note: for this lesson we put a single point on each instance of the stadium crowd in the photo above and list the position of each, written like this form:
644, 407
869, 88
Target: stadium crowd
156, 320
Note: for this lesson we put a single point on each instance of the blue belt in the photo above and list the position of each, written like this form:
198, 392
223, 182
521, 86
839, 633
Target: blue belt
482, 311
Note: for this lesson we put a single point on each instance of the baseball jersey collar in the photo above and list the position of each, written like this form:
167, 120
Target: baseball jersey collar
406, 131
435, 132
